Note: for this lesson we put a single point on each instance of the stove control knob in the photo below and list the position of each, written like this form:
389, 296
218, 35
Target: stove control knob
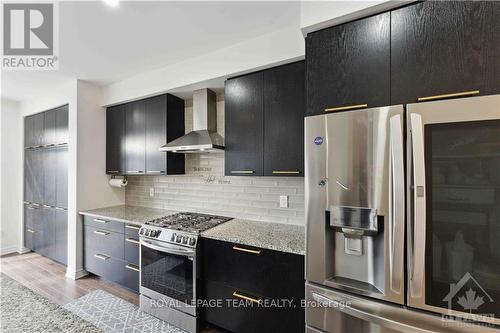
192, 241
147, 232
172, 239
141, 231
178, 238
154, 233
185, 240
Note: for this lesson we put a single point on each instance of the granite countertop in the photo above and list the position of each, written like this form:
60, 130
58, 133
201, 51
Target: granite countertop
128, 214
273, 236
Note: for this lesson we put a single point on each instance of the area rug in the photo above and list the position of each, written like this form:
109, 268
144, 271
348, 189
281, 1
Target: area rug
23, 310
115, 315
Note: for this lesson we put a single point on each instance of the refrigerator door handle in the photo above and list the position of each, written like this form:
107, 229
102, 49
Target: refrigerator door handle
397, 204
417, 274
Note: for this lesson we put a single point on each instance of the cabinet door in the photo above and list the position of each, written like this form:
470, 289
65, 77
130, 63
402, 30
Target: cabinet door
61, 125
135, 138
38, 176
61, 179
61, 236
176, 128
156, 134
284, 106
28, 175
38, 129
115, 139
47, 232
49, 171
244, 127
349, 65
49, 127
442, 47
28, 131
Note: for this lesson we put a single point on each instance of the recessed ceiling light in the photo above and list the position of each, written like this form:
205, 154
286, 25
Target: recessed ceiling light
112, 3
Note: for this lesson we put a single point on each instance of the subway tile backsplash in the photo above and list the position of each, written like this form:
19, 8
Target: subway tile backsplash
205, 189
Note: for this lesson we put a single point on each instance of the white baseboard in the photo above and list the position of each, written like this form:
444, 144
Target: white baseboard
23, 250
8, 250
76, 275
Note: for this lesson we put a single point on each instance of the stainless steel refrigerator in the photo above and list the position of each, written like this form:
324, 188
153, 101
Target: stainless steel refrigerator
403, 218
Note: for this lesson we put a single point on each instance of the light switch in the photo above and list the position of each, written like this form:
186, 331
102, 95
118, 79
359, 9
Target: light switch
283, 201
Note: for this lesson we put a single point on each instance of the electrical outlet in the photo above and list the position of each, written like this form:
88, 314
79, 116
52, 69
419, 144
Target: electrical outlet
152, 192
283, 201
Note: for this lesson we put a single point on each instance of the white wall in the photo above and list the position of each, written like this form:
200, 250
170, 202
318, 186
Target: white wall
316, 15
271, 49
92, 188
11, 173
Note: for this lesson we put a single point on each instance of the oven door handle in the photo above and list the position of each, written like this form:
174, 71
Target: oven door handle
167, 249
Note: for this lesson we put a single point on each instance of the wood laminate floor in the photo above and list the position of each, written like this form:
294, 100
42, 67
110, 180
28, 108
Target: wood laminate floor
48, 279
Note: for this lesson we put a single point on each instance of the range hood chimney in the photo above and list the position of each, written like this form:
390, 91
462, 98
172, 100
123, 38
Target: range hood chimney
204, 137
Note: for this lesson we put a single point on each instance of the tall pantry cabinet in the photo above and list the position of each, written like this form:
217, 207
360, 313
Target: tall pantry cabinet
46, 183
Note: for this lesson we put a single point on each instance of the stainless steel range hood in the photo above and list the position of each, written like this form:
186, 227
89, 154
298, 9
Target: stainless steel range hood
204, 137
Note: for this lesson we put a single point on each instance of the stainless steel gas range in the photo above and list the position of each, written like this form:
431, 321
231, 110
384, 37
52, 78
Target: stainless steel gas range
169, 266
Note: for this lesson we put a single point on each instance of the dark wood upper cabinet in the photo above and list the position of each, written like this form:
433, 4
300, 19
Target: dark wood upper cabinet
115, 139
442, 47
135, 137
61, 136
176, 127
164, 123
49, 127
137, 130
244, 116
156, 134
349, 65
284, 104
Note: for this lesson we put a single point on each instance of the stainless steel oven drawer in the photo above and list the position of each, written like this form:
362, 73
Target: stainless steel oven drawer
104, 223
105, 266
104, 241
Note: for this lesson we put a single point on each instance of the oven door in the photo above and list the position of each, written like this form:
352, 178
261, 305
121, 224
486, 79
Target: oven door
454, 207
168, 275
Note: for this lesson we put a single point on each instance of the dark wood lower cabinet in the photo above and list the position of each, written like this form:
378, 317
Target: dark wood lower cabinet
245, 291
111, 251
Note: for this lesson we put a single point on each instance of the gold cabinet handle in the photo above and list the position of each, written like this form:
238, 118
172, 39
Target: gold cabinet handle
242, 249
132, 240
242, 172
284, 172
100, 221
31, 231
132, 267
131, 226
349, 107
458, 94
247, 298
101, 256
102, 233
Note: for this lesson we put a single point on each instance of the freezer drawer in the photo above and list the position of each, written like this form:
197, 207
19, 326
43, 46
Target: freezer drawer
332, 311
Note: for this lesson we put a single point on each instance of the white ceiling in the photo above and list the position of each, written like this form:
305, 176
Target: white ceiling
104, 44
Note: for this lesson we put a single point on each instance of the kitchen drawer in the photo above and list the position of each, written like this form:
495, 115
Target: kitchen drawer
105, 266
132, 250
106, 242
239, 314
31, 238
103, 223
132, 229
258, 270
131, 276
